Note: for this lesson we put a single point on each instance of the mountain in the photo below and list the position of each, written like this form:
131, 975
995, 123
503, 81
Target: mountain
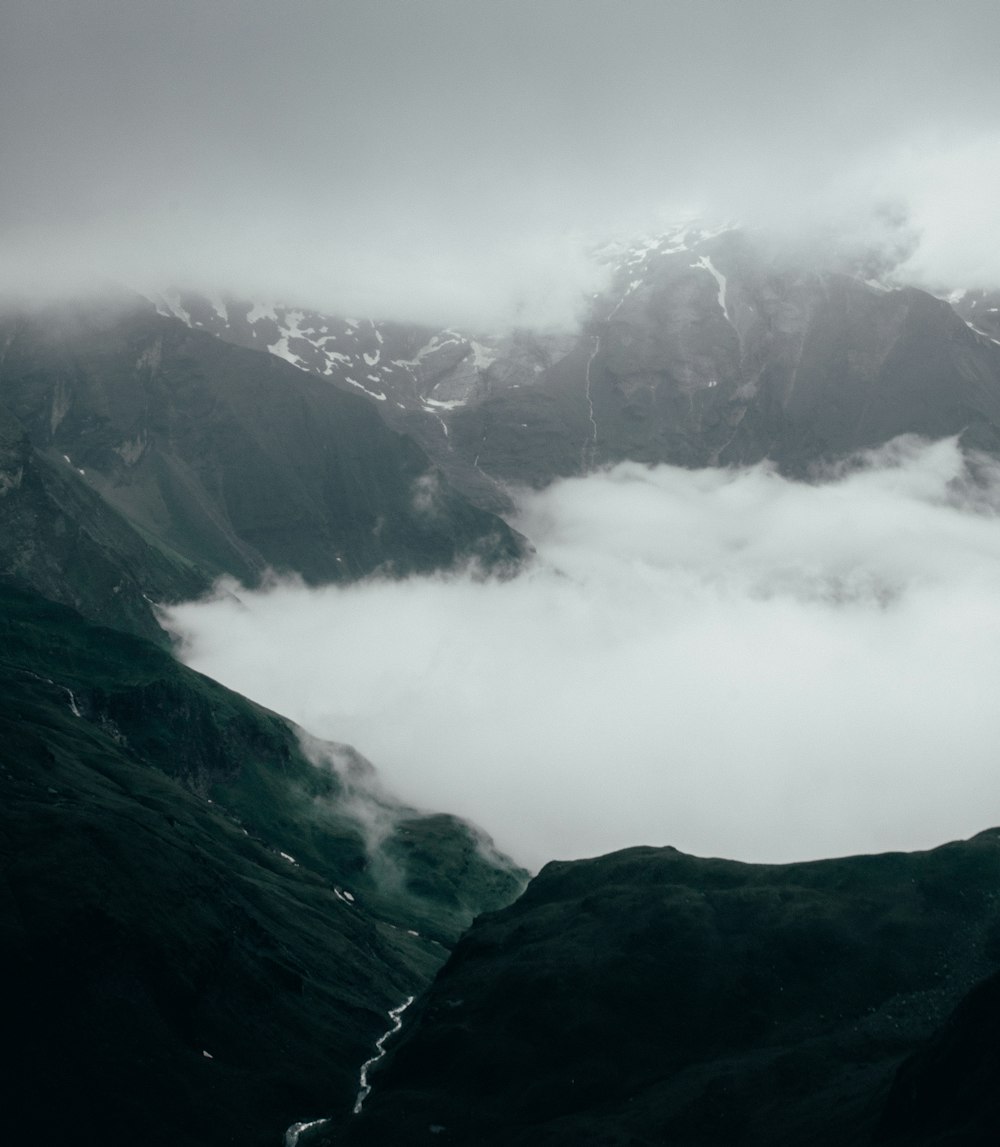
945, 1093
979, 309
705, 349
221, 460
651, 997
62, 538
211, 919
206, 914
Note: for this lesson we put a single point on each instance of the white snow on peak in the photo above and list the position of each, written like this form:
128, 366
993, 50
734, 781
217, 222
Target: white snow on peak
435, 344
376, 394
260, 311
280, 348
706, 263
372, 359
168, 304
290, 859
450, 404
291, 331
353, 323
219, 305
957, 296
974, 329
482, 356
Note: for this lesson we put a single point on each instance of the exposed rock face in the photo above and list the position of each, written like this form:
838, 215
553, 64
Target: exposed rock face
650, 997
979, 309
224, 460
715, 356
707, 349
62, 538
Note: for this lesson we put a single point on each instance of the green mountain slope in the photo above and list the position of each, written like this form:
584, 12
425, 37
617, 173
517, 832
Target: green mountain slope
146, 922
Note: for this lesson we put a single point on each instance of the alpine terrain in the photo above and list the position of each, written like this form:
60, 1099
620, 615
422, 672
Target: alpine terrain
221, 930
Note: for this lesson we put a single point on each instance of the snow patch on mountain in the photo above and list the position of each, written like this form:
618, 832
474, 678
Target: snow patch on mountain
706, 263
378, 395
261, 311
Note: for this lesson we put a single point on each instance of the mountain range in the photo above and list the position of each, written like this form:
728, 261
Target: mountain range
705, 349
209, 915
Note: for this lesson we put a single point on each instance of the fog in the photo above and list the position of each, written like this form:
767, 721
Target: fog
454, 160
730, 662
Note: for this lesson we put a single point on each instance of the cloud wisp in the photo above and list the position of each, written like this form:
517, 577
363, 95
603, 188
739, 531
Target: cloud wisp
729, 662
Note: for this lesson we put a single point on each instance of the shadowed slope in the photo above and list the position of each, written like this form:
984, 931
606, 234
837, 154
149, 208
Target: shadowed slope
650, 997
146, 923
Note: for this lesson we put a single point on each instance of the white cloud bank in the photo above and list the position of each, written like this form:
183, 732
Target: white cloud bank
450, 160
729, 662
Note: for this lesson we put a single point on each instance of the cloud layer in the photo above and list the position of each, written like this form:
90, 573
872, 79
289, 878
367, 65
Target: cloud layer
732, 663
450, 160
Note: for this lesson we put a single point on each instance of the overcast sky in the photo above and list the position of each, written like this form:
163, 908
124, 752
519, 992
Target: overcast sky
448, 159
729, 662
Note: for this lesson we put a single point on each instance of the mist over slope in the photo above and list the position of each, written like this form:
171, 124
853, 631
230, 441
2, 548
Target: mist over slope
728, 661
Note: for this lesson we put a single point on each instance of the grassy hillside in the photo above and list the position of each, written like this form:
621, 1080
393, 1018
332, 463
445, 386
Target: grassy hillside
149, 915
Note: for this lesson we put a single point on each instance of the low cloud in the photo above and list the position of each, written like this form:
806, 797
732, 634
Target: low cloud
452, 161
729, 662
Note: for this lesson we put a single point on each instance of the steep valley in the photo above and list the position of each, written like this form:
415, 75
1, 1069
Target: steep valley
211, 917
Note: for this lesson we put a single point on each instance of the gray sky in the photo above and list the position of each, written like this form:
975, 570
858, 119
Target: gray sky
446, 157
725, 661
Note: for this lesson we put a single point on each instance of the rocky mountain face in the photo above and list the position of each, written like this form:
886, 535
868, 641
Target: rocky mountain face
979, 309
706, 349
63, 539
221, 460
650, 997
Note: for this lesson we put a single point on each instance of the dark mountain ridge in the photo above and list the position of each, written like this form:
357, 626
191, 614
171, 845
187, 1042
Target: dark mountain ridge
650, 997
179, 878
